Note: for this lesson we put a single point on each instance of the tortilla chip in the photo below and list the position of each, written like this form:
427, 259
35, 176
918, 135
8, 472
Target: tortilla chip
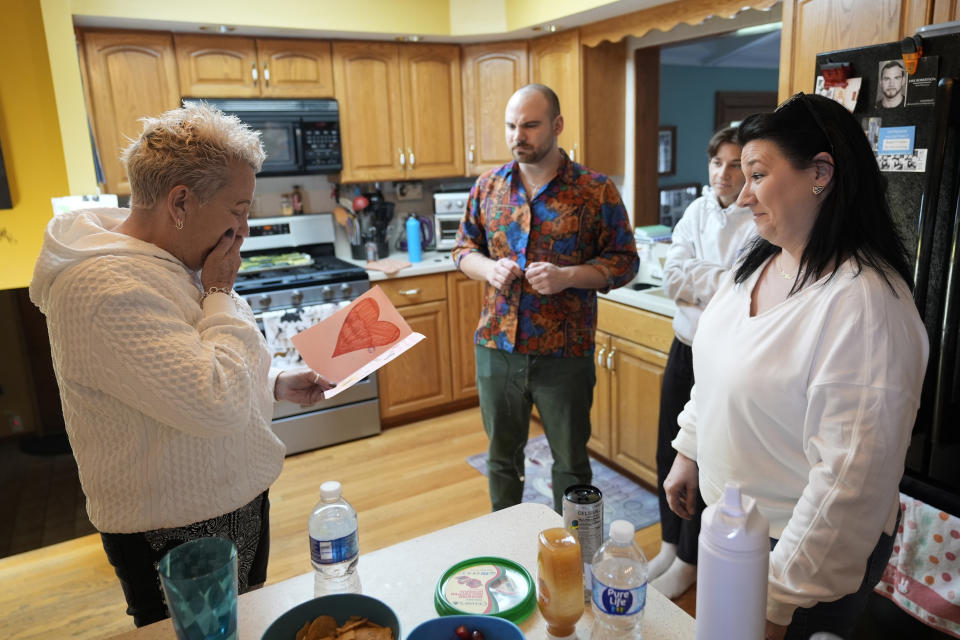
302, 634
322, 627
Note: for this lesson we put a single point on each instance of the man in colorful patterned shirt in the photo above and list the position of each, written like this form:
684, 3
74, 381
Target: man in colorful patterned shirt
546, 234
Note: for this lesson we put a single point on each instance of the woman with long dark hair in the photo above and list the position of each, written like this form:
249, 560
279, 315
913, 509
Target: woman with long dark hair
809, 363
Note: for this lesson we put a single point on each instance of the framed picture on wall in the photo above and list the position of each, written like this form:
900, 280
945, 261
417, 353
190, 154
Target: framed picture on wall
675, 199
667, 151
5, 201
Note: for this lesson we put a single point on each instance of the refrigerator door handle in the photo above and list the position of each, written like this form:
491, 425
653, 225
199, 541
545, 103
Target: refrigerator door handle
947, 393
946, 90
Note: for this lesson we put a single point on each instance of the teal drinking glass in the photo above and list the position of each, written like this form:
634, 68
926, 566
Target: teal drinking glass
200, 584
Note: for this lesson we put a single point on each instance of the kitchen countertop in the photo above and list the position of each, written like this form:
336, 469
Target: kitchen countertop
651, 299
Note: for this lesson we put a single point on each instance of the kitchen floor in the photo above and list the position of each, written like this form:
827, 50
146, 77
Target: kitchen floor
41, 501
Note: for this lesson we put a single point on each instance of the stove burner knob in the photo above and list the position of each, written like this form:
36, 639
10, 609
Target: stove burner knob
346, 289
326, 292
296, 297
265, 300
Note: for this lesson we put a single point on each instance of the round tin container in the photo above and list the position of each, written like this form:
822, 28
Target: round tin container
486, 585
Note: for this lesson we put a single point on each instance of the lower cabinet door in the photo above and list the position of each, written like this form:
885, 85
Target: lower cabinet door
466, 299
636, 374
420, 378
600, 411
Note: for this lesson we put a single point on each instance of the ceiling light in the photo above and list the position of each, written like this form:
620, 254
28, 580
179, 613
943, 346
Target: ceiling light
408, 38
758, 29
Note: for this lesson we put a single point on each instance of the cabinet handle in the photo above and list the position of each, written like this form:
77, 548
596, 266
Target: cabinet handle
403, 158
413, 158
266, 75
253, 72
600, 356
613, 350
471, 154
408, 292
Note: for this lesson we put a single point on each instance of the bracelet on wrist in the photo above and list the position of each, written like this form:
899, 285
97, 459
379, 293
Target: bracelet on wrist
212, 290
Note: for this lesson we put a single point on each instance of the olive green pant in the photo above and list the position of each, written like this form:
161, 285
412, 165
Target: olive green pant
509, 385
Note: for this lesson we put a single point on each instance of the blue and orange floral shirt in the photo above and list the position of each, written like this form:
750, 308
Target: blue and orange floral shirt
577, 218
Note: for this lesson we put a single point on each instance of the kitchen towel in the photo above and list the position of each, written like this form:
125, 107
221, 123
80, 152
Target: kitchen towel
923, 574
623, 499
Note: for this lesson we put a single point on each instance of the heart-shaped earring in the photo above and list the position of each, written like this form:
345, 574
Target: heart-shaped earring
817, 189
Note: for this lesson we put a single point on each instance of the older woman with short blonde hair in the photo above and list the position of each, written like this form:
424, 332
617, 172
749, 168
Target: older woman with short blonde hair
164, 376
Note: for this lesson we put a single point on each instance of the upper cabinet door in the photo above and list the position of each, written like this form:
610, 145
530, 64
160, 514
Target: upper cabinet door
217, 66
295, 68
128, 76
367, 86
432, 111
491, 74
555, 62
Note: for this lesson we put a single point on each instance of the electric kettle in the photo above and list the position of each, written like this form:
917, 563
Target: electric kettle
426, 235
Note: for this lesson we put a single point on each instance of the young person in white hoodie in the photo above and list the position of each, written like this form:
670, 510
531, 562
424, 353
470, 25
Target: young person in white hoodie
706, 242
164, 377
809, 363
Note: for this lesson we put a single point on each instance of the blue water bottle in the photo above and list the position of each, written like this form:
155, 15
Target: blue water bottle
413, 238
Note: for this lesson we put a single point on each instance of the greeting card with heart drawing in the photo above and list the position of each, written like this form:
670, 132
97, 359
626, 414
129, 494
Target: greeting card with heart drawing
355, 341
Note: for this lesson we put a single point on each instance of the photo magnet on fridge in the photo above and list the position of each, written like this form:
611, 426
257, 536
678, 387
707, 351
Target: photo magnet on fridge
922, 86
891, 84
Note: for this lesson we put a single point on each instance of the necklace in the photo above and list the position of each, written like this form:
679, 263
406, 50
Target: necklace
783, 274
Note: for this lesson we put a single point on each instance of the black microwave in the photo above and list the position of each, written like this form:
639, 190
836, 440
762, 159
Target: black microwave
299, 136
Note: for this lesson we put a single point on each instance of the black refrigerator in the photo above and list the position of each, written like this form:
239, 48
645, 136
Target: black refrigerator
923, 193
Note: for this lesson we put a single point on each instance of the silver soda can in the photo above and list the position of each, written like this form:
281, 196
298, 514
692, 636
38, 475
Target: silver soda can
583, 515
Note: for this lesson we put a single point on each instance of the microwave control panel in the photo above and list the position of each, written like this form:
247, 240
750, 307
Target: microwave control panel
321, 145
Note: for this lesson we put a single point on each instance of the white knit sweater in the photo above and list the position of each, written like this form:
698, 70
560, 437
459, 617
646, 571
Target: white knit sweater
166, 400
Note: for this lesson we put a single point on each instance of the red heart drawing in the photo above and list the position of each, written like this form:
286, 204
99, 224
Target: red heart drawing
362, 330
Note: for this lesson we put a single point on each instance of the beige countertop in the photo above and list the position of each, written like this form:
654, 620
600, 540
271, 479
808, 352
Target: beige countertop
405, 575
440, 262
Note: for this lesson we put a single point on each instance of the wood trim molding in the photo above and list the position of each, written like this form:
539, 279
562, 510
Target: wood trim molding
665, 17
646, 205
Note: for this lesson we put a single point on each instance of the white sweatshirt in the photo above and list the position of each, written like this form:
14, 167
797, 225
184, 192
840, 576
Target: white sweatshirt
809, 406
167, 401
706, 242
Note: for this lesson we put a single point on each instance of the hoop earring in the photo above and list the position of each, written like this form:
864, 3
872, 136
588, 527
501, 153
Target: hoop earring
179, 223
817, 190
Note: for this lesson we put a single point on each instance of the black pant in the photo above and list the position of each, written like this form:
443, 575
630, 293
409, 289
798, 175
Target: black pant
674, 394
840, 616
135, 556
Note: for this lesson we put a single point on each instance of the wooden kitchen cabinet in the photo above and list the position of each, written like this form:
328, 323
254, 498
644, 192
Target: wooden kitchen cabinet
236, 67
632, 348
405, 118
465, 297
438, 372
127, 75
492, 72
420, 378
591, 85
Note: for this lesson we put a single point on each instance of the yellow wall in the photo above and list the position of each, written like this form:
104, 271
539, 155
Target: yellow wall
527, 13
30, 138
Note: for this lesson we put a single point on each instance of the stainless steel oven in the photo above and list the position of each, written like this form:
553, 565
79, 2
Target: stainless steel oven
291, 279
448, 209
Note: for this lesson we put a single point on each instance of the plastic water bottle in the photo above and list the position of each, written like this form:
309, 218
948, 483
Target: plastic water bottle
733, 554
334, 546
619, 586
413, 238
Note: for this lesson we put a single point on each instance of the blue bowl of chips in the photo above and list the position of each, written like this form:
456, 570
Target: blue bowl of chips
340, 607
